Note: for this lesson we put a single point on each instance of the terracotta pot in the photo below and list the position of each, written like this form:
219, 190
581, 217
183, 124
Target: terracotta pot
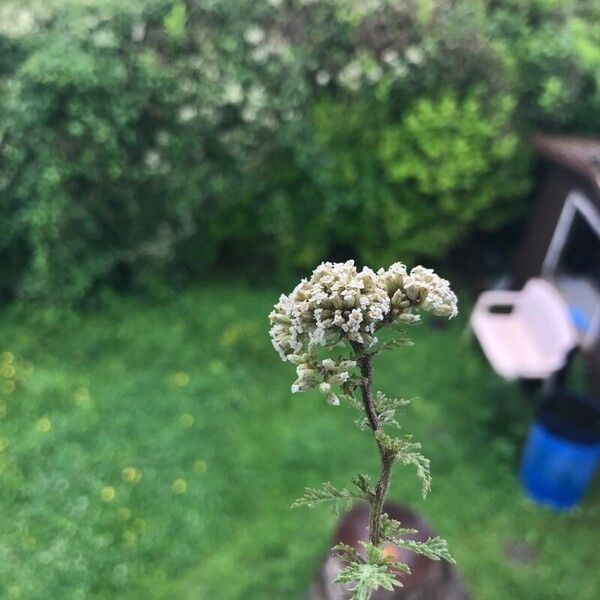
428, 579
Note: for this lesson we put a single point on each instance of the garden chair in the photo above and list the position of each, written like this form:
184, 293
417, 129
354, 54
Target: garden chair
524, 334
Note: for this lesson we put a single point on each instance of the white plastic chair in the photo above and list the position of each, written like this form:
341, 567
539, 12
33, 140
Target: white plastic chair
526, 334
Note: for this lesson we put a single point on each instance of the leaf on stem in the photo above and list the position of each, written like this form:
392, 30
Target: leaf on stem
349, 397
326, 493
363, 483
365, 578
435, 548
346, 553
383, 402
386, 408
365, 575
423, 468
407, 452
392, 529
362, 423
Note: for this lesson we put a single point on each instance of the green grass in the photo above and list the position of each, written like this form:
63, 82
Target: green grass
97, 394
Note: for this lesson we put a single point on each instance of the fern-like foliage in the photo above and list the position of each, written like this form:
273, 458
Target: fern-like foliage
392, 529
423, 468
408, 453
348, 395
326, 493
386, 408
363, 483
379, 569
365, 575
346, 553
435, 548
384, 403
365, 578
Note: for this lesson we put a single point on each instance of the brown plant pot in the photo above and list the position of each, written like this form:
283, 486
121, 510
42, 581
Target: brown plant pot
428, 579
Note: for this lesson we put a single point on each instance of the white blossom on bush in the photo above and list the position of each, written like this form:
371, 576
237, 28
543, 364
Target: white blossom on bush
187, 113
322, 77
414, 55
254, 35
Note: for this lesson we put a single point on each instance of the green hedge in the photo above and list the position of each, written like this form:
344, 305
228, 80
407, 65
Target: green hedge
156, 140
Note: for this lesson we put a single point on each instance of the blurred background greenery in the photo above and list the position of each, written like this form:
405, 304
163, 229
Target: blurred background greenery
157, 154
155, 141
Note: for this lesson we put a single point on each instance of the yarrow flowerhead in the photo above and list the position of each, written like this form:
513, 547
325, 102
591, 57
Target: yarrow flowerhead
429, 292
339, 305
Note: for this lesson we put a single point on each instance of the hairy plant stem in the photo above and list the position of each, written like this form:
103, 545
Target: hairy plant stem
365, 362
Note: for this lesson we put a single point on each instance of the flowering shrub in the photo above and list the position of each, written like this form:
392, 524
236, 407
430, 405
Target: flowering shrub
155, 138
326, 327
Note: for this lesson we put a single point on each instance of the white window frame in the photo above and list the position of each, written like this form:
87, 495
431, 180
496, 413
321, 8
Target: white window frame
577, 203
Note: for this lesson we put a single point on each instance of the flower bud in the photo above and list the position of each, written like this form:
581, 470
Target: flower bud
328, 364
324, 388
333, 400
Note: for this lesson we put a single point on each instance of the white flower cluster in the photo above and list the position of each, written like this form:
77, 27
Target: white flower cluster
340, 304
430, 292
324, 374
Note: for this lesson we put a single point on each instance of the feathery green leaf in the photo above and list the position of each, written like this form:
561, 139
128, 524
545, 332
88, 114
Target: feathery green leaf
326, 493
435, 548
391, 529
364, 578
346, 553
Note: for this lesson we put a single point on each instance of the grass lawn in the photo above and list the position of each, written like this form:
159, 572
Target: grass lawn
152, 450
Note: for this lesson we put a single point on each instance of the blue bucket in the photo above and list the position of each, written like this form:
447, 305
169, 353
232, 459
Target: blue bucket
562, 450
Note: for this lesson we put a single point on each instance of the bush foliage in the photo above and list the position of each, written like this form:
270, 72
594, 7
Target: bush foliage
158, 138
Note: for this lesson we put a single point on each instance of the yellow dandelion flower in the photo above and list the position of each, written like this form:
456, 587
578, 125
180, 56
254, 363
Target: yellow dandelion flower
108, 493
186, 421
132, 474
179, 486
181, 379
44, 425
124, 514
7, 357
200, 466
7, 371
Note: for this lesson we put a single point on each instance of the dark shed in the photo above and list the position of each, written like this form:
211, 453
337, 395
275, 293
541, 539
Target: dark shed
562, 241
